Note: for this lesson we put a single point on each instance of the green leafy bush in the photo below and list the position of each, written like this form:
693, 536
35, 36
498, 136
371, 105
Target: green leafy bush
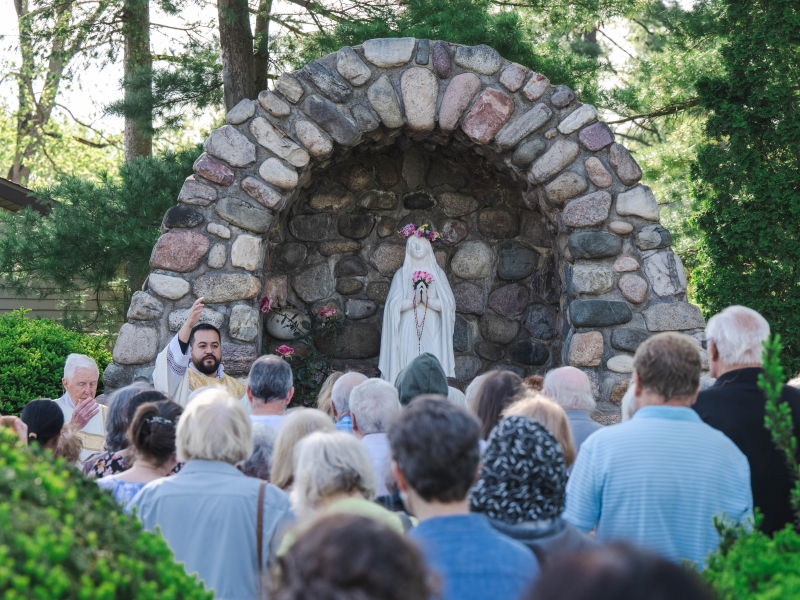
32, 357
63, 537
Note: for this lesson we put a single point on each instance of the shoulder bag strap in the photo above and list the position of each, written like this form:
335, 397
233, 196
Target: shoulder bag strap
260, 531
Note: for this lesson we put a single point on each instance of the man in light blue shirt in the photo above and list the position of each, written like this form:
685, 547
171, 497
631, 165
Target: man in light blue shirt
436, 459
659, 480
340, 399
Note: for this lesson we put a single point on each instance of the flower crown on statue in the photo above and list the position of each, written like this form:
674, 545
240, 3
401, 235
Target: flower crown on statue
424, 231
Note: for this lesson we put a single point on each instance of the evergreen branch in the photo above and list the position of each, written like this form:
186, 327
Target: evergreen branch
313, 8
778, 414
600, 31
670, 109
89, 127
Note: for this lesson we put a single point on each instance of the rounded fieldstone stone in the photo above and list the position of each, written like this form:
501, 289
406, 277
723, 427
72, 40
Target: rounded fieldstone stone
482, 59
213, 170
314, 283
261, 192
625, 264
620, 227
238, 358
350, 266
244, 214
347, 286
633, 287
378, 291
351, 67
552, 162
472, 260
179, 251
335, 119
273, 105
453, 232
618, 391
628, 339
197, 193
624, 164
326, 81
383, 99
652, 237
246, 252
226, 287
386, 227
135, 345
457, 205
562, 96
317, 143
115, 377
386, 172
596, 136
540, 321
528, 352
577, 119
177, 318
594, 244
165, 286
498, 329
509, 300
310, 228
356, 340
338, 247
356, 178
489, 351
565, 186
516, 260
182, 216
498, 223
355, 227
418, 201
513, 77
356, 308
673, 316
279, 323
527, 152
638, 202
289, 86
622, 363
419, 89
599, 313
490, 112
459, 93
217, 256
441, 60
377, 200
144, 307
387, 258
461, 335
231, 146
330, 202
597, 173
514, 132
466, 367
469, 298
590, 278
389, 52
290, 256
586, 349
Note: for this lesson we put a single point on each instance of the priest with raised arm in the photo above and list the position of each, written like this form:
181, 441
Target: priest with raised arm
192, 360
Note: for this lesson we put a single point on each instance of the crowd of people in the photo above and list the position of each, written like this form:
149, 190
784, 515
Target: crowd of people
416, 490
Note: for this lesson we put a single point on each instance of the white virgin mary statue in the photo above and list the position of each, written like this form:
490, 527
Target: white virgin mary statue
419, 318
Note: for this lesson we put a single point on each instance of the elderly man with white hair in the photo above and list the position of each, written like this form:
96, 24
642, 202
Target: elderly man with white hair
85, 416
373, 405
735, 406
571, 389
340, 399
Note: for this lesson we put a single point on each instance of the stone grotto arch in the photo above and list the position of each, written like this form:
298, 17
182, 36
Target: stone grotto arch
553, 247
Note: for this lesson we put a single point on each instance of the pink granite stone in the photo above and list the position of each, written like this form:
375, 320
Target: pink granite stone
625, 264
624, 164
588, 210
213, 170
491, 111
513, 77
179, 251
596, 136
633, 287
597, 173
453, 231
509, 300
459, 93
536, 87
586, 349
441, 60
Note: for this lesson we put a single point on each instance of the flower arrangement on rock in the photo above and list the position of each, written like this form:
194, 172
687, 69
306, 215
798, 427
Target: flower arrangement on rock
310, 365
423, 231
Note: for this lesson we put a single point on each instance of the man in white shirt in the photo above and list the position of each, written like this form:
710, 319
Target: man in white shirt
85, 416
193, 360
373, 405
269, 391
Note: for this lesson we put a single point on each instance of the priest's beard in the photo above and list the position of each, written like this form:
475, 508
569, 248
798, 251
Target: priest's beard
207, 365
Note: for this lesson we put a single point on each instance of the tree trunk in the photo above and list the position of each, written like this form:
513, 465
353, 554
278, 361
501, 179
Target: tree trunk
261, 46
138, 64
236, 41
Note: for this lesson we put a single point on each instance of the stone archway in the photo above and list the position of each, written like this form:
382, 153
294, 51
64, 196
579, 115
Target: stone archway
553, 246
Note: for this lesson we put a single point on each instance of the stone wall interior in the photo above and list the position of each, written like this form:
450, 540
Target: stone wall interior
553, 247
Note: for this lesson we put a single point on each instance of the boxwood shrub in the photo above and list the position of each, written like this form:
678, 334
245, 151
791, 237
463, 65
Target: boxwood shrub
63, 537
32, 357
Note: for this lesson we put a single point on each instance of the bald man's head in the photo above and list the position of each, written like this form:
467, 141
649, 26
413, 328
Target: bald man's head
570, 388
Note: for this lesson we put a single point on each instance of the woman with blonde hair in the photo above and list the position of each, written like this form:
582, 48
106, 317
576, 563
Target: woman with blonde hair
552, 416
298, 424
324, 402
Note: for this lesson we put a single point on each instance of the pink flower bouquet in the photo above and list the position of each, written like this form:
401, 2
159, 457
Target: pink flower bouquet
284, 350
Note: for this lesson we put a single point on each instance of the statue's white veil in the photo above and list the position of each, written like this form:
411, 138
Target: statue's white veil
401, 289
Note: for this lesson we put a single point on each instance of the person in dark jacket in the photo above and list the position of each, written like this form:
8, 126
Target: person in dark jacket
735, 406
522, 489
423, 375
